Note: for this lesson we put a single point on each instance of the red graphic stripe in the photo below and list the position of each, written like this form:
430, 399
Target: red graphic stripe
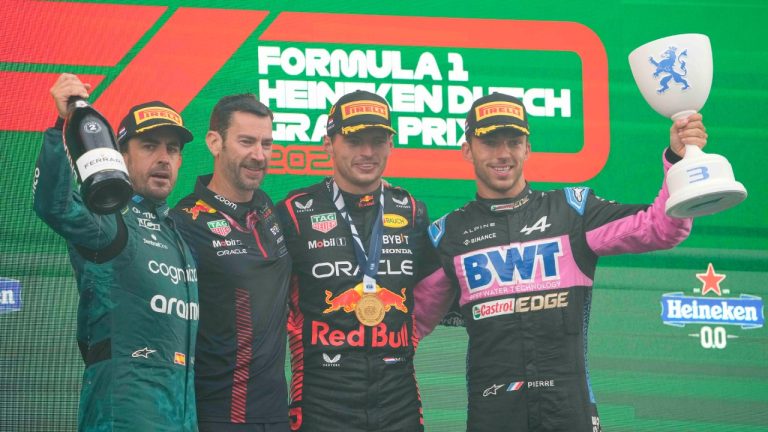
244, 327
289, 206
72, 33
415, 342
295, 341
258, 242
413, 208
180, 59
25, 100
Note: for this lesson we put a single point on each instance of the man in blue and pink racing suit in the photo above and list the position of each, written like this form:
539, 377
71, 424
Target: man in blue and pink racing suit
521, 263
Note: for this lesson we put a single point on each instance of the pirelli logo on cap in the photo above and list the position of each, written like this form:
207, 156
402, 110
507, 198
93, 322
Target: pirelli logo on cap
364, 107
499, 108
150, 113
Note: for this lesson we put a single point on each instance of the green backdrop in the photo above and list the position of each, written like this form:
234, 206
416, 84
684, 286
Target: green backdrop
647, 376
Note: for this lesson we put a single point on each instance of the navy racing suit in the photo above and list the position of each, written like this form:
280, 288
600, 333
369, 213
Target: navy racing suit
523, 271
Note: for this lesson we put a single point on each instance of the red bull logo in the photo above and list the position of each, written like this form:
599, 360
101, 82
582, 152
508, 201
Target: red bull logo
365, 201
392, 300
199, 207
380, 336
347, 300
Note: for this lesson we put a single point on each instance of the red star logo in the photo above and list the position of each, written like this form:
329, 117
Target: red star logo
710, 280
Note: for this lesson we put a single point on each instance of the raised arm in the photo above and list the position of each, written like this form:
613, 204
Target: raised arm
56, 198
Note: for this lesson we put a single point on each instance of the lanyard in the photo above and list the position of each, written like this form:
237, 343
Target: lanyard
369, 264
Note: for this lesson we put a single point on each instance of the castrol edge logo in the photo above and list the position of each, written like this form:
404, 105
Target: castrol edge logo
498, 108
364, 107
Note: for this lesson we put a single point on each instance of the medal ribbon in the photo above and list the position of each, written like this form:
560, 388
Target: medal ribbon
368, 263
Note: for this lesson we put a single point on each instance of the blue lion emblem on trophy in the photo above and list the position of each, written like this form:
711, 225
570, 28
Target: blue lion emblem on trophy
666, 65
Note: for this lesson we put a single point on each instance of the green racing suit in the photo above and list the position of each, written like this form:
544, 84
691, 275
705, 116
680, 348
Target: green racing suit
138, 309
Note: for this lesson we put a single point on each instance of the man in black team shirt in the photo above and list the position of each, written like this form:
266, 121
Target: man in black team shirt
244, 269
358, 250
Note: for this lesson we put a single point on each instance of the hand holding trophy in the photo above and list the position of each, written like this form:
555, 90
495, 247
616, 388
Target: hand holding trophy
674, 74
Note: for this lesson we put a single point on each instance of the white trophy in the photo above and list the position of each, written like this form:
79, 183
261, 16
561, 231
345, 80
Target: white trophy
674, 75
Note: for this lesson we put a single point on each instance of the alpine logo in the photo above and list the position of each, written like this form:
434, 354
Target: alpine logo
220, 227
540, 225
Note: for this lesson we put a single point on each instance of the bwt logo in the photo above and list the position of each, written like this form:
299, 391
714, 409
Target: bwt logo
512, 264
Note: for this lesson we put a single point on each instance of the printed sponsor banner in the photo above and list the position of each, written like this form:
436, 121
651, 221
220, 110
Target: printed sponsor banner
713, 313
10, 295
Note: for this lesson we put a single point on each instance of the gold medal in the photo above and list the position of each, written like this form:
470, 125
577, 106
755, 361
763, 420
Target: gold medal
369, 310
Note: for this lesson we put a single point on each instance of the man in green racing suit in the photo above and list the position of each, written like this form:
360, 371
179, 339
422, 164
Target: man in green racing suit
137, 315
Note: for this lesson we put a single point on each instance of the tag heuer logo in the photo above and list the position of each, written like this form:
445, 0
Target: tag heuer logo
324, 222
220, 227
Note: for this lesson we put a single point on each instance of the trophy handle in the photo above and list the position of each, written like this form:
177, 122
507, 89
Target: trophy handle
701, 183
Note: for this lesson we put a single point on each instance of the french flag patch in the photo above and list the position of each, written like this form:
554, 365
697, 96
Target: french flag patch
515, 386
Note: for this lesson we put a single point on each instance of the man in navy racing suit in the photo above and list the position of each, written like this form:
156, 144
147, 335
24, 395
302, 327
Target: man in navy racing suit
352, 342
522, 264
244, 269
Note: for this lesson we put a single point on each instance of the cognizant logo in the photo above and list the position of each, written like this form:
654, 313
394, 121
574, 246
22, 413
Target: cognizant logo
182, 309
175, 274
